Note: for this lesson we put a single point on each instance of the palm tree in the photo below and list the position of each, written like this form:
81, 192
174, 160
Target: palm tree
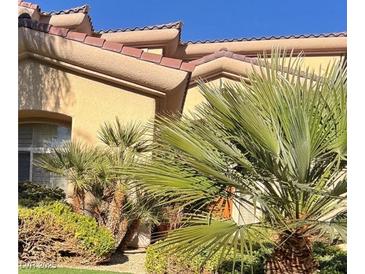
125, 146
90, 170
142, 210
77, 162
276, 147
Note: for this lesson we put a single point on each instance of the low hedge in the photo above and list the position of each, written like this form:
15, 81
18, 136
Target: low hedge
160, 261
331, 260
31, 194
53, 232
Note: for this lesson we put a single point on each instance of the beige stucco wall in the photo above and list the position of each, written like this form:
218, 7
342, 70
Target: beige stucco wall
194, 97
88, 101
316, 63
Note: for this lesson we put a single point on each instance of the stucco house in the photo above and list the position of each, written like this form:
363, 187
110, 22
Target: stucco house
73, 78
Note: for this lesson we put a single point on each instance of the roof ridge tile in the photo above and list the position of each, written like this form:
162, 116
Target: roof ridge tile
272, 37
171, 25
83, 9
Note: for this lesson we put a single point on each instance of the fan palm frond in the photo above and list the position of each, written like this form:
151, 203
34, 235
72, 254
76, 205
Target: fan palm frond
278, 141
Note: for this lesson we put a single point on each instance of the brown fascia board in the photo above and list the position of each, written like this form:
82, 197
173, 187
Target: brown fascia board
310, 47
97, 57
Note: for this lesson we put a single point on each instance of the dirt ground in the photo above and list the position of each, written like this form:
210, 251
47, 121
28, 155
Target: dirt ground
132, 261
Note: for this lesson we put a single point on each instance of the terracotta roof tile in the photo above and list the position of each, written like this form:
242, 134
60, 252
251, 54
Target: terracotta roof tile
132, 51
173, 25
148, 56
58, 31
187, 67
28, 5
171, 62
113, 46
94, 41
77, 36
106, 45
321, 35
81, 9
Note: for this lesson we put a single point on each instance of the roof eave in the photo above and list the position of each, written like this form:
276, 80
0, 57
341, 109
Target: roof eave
93, 58
310, 46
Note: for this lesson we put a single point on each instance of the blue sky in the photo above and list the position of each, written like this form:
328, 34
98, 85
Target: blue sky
213, 19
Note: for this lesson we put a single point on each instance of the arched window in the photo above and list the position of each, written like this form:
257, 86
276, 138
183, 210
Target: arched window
36, 138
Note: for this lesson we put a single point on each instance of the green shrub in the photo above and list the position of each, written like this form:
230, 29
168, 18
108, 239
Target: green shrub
31, 195
331, 260
61, 228
159, 261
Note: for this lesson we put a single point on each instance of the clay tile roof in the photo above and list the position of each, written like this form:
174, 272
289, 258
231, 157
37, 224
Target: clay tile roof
81, 9
28, 5
101, 43
173, 25
321, 35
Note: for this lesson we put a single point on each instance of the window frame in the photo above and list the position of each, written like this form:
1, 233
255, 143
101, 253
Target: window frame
39, 150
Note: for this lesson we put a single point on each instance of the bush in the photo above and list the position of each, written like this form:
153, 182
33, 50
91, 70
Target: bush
331, 260
160, 261
31, 195
53, 232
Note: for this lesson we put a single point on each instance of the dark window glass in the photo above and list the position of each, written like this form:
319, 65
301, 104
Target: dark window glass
23, 165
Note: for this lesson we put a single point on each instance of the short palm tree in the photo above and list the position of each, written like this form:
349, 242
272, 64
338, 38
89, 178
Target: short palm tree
77, 162
89, 169
276, 147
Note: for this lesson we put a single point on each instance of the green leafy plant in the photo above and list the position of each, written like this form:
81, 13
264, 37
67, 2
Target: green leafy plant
161, 260
331, 259
275, 145
31, 194
46, 232
91, 170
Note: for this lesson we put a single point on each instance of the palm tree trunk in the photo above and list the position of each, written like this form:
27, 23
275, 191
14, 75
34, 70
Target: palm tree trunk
116, 222
78, 204
293, 255
132, 229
